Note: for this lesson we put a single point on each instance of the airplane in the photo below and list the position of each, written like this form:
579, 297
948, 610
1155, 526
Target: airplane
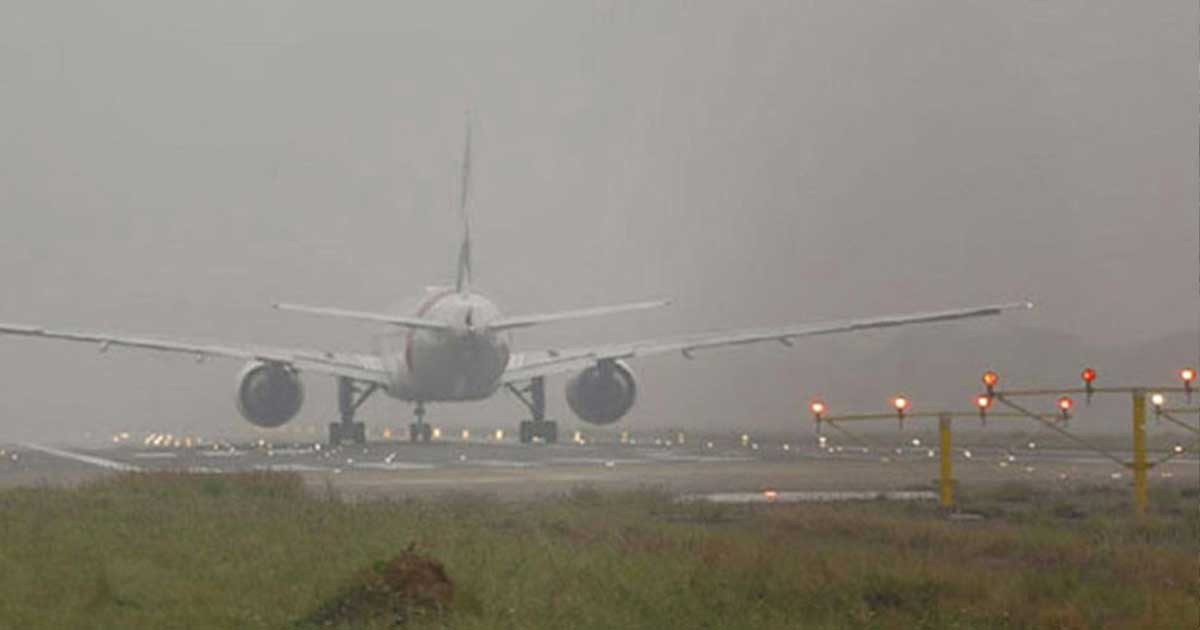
456, 347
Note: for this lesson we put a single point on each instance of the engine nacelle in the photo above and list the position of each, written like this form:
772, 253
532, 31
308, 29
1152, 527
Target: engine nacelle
603, 393
269, 394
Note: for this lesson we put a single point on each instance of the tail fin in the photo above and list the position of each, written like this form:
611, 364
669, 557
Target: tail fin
463, 282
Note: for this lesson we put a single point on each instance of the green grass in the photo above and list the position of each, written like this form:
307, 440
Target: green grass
259, 551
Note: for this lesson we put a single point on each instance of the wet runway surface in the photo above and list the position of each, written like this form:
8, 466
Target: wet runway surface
389, 468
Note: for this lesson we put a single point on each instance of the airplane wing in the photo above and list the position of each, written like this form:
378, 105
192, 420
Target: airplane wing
524, 366
356, 366
523, 321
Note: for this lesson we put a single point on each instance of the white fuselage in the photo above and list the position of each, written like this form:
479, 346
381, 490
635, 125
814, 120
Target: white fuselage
465, 363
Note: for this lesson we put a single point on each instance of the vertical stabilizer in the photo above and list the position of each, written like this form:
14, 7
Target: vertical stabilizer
463, 282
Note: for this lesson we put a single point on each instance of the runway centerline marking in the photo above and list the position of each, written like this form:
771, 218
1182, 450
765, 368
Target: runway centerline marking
80, 457
155, 455
393, 466
292, 468
501, 463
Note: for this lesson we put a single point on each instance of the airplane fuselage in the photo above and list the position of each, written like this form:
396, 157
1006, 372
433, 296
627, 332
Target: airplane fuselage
464, 363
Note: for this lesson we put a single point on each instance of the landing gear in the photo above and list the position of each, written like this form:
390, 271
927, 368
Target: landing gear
534, 398
419, 431
351, 396
531, 430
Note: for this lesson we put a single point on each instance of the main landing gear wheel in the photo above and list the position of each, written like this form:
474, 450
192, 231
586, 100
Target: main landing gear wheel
351, 396
545, 430
419, 431
539, 427
340, 432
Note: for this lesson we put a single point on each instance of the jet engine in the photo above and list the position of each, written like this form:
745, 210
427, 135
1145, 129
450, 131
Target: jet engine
603, 393
269, 394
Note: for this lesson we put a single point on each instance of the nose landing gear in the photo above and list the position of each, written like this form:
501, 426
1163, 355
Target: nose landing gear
351, 396
533, 397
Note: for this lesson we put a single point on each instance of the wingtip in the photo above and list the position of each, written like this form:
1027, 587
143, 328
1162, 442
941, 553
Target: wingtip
1012, 306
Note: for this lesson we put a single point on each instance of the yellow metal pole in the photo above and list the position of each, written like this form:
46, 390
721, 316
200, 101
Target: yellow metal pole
1139, 451
946, 478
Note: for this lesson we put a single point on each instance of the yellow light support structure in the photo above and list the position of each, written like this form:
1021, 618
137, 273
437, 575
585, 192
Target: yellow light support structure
1169, 416
946, 470
1140, 466
945, 440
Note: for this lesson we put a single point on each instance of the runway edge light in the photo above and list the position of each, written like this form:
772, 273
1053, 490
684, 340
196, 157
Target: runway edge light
1064, 406
990, 378
1188, 375
817, 407
1088, 375
1158, 400
901, 403
984, 402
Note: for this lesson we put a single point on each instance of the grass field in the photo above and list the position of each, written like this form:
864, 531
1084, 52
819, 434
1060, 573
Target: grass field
259, 551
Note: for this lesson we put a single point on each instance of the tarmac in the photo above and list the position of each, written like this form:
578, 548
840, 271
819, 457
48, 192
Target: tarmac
391, 469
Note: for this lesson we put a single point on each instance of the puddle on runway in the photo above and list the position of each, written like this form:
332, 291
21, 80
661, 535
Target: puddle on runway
812, 497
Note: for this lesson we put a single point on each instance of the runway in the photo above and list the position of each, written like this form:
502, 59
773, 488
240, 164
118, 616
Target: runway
397, 469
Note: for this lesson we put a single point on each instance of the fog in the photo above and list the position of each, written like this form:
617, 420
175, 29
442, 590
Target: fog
175, 168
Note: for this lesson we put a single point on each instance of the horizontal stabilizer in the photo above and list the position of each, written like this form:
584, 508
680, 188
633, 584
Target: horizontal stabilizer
523, 321
383, 318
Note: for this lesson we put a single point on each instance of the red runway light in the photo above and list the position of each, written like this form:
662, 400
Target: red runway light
990, 378
817, 407
1065, 403
1088, 375
901, 403
1188, 375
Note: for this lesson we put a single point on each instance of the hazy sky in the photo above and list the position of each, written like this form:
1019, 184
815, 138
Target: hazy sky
175, 167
